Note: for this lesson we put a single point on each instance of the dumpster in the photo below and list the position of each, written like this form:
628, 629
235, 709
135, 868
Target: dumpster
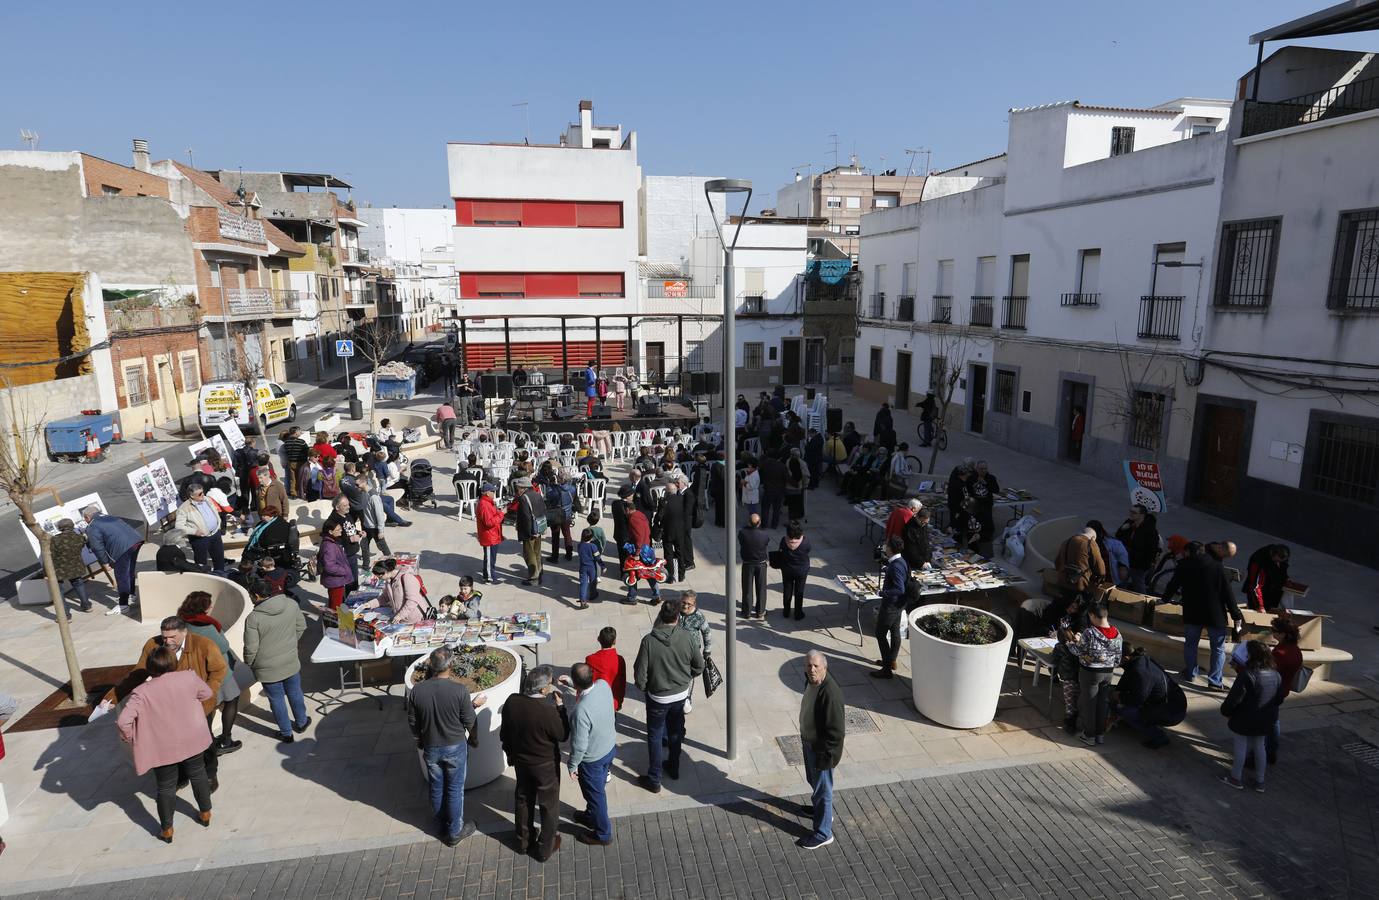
67, 436
394, 388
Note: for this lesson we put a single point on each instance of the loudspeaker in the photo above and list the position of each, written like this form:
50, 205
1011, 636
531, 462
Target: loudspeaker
602, 411
835, 420
648, 405
705, 383
497, 386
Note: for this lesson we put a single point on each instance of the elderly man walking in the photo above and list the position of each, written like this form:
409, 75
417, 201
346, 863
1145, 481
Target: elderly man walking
114, 544
441, 714
822, 729
531, 524
667, 662
532, 731
593, 741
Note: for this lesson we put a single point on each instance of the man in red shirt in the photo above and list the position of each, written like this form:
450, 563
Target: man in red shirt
609, 665
899, 517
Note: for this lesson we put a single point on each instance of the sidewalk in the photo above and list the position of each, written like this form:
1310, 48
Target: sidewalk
352, 782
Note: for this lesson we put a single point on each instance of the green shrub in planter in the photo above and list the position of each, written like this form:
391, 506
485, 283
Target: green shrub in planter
963, 626
477, 668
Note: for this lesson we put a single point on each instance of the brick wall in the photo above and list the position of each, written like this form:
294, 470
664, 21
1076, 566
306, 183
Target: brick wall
129, 348
131, 182
203, 223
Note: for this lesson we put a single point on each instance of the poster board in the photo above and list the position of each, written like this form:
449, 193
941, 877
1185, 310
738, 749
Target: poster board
215, 442
48, 519
229, 429
154, 490
1146, 485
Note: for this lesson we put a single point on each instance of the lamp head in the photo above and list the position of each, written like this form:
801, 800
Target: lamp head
728, 186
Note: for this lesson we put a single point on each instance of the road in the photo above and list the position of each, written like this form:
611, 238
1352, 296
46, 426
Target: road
110, 481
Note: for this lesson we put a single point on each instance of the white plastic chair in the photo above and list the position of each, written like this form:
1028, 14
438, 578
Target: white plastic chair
586, 439
567, 458
484, 451
597, 492
658, 491
468, 493
506, 448
463, 449
550, 437
663, 434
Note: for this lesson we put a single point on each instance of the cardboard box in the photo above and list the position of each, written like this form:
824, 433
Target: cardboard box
1168, 618
1309, 626
1128, 606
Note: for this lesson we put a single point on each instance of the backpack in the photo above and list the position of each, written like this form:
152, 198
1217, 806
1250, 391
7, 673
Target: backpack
330, 487
539, 523
555, 506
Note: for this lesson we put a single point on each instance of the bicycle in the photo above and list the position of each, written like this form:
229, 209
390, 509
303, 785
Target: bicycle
940, 436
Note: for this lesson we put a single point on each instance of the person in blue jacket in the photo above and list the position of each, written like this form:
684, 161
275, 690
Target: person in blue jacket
891, 608
591, 390
114, 544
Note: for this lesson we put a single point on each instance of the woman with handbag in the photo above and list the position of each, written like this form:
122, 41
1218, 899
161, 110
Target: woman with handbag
1252, 708
792, 558
1288, 663
196, 612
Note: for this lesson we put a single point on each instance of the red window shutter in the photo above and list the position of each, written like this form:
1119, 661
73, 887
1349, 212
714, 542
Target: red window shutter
501, 284
464, 212
600, 215
548, 214
552, 284
600, 284
497, 212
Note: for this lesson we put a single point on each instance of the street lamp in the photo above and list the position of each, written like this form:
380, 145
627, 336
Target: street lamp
729, 186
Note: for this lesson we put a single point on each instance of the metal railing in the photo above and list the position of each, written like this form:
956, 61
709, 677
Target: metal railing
257, 302
1015, 308
1263, 116
876, 306
1076, 299
1159, 318
356, 255
982, 308
943, 309
905, 309
657, 290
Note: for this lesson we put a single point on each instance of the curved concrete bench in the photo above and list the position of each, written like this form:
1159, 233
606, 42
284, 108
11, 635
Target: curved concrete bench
161, 593
1167, 650
404, 420
1044, 539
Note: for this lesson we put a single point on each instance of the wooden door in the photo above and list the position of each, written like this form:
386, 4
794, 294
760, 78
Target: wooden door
790, 361
976, 398
902, 380
656, 362
1224, 437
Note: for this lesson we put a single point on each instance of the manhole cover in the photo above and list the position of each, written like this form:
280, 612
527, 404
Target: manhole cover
859, 721
1364, 751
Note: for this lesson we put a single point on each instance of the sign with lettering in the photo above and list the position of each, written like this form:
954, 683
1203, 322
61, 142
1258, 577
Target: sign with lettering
241, 228
1146, 485
675, 288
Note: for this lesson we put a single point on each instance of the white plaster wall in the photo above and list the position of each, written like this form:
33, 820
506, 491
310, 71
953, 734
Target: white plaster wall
674, 212
407, 234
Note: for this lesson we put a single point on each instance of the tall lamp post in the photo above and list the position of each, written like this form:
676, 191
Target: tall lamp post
729, 186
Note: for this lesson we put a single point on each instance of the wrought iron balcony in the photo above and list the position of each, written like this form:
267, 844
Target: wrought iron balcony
905, 310
354, 256
1015, 313
256, 303
1159, 318
943, 309
1263, 116
982, 308
1076, 299
876, 306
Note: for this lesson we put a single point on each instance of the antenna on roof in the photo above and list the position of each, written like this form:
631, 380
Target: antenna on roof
190, 163
29, 137
240, 192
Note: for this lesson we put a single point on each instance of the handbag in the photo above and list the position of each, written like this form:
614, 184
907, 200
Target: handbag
1301, 679
775, 559
713, 679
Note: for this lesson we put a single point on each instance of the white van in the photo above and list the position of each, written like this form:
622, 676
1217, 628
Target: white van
222, 400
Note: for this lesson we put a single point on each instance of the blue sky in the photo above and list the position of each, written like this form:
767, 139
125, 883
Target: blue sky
371, 92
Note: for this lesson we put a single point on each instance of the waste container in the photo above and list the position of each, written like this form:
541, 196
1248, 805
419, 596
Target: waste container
67, 436
356, 408
386, 388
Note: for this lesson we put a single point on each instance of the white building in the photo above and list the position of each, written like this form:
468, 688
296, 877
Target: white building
1286, 414
1062, 280
546, 241
416, 249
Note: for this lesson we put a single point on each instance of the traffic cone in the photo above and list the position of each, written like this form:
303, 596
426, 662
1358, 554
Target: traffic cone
118, 437
148, 432
93, 448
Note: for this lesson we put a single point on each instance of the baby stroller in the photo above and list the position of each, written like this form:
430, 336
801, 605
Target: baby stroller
419, 487
642, 565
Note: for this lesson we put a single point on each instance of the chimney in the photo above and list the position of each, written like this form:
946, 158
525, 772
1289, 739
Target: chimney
141, 155
586, 123
799, 177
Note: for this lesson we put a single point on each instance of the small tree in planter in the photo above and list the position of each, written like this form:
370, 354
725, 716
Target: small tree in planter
958, 658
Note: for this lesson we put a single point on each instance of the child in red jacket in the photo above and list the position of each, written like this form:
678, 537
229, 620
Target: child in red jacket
609, 665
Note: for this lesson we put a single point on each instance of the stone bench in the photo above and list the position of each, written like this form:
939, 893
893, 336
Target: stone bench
1167, 650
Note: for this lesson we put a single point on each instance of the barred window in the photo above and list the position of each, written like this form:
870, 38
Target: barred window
1245, 271
1003, 400
1355, 264
1122, 140
191, 371
1146, 420
751, 356
1344, 458
135, 386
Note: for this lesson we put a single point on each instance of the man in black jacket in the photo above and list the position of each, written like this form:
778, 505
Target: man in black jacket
1207, 602
1140, 535
531, 523
535, 724
883, 421
441, 716
773, 477
814, 457
673, 527
1147, 699
823, 726
915, 534
642, 493
294, 454
753, 547
895, 580
244, 459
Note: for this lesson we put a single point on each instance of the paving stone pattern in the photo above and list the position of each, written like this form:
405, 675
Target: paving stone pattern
1105, 826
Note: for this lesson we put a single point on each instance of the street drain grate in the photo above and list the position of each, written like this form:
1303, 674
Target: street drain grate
859, 721
1364, 751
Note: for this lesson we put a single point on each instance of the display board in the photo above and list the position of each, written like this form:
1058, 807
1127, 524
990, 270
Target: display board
229, 429
48, 519
215, 442
154, 490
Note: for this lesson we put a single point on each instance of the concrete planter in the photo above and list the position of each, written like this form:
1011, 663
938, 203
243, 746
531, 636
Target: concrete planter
486, 762
956, 684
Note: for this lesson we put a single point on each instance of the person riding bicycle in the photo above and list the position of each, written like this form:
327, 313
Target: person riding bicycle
928, 412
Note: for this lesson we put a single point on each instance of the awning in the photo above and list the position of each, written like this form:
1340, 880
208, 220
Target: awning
829, 271
1343, 18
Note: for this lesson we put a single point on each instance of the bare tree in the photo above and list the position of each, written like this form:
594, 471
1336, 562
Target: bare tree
950, 345
374, 341
20, 479
1135, 405
247, 372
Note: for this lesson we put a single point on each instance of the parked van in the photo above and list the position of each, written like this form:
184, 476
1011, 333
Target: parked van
222, 400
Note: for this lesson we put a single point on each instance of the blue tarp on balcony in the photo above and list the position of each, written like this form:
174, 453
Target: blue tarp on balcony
829, 271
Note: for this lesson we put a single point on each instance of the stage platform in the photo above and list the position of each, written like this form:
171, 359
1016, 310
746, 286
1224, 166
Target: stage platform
673, 415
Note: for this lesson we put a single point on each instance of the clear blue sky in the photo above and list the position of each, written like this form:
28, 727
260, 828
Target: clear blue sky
372, 92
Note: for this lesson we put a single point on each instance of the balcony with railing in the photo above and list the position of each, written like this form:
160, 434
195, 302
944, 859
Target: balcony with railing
1263, 116
354, 256
681, 290
1079, 299
1159, 318
876, 306
982, 308
943, 309
260, 302
905, 309
1015, 308
752, 305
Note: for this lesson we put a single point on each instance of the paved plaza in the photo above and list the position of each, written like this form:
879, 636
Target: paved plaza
1016, 808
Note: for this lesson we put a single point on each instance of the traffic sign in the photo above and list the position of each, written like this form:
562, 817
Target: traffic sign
344, 348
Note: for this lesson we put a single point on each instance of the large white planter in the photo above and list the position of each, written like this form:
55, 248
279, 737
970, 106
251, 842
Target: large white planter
956, 684
486, 762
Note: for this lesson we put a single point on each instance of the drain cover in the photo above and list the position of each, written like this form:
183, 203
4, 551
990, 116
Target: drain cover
859, 721
1364, 751
791, 749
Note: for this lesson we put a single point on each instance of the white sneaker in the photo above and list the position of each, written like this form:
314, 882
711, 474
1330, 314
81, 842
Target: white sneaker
689, 707
114, 610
